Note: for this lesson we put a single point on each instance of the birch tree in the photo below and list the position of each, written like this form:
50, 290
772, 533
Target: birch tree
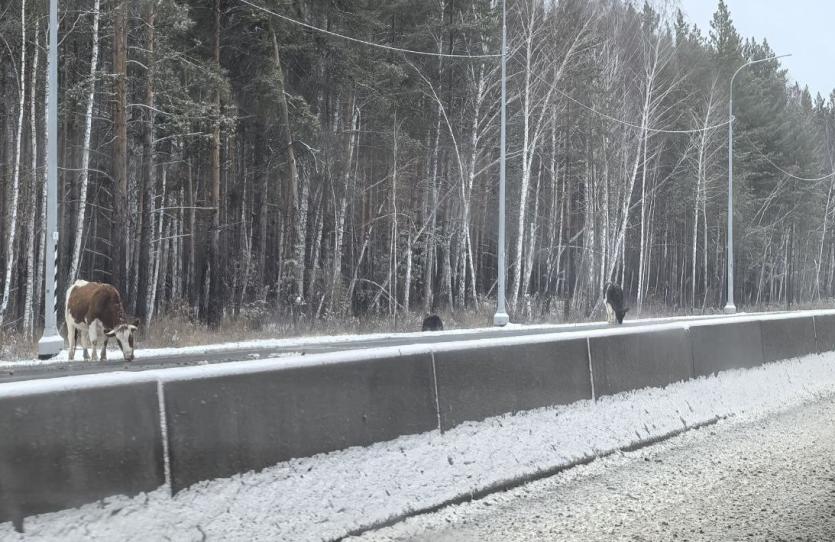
32, 273
535, 100
11, 252
85, 156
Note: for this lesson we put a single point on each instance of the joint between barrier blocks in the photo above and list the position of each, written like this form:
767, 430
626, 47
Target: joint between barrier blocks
591, 370
689, 338
435, 393
163, 428
815, 333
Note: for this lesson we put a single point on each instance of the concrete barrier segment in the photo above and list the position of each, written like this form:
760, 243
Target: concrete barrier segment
825, 332
629, 361
221, 426
67, 448
477, 383
719, 347
787, 338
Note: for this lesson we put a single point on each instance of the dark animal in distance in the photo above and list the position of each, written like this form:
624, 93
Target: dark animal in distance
615, 311
95, 311
433, 323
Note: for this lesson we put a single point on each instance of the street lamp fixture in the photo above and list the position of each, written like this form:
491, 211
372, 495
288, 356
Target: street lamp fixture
730, 308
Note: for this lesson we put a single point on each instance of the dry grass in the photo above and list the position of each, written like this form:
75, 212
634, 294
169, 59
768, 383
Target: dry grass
177, 329
14, 346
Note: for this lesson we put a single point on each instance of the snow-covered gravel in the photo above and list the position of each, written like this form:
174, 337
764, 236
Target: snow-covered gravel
330, 495
769, 479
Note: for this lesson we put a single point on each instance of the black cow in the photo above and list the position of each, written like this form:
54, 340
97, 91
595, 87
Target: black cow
433, 323
615, 311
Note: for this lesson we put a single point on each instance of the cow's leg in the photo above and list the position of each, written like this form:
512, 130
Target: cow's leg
104, 348
70, 336
84, 337
95, 333
610, 313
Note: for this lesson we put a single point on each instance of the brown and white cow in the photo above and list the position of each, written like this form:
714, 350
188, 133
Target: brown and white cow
95, 311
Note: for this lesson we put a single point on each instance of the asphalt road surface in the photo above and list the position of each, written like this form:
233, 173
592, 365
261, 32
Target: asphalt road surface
769, 480
116, 363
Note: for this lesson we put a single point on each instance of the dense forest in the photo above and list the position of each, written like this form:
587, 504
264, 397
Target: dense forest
220, 157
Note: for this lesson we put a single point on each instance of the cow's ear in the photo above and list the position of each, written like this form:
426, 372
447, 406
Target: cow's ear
134, 321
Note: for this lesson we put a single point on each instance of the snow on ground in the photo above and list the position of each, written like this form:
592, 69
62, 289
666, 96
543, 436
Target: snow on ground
329, 495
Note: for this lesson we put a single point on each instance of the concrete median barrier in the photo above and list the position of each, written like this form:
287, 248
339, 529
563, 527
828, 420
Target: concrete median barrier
719, 347
476, 383
62, 449
235, 423
628, 361
786, 338
70, 441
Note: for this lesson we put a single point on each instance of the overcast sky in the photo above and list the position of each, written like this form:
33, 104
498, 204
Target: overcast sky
800, 27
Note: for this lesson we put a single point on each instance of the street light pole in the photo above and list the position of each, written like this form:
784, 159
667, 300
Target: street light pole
501, 318
51, 342
730, 308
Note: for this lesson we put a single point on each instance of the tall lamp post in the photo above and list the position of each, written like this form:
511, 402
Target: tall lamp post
51, 342
501, 318
730, 308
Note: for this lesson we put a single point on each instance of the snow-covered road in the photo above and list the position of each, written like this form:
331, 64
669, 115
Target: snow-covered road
768, 479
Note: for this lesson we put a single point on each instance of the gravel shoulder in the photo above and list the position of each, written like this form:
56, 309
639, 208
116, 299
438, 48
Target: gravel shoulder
767, 479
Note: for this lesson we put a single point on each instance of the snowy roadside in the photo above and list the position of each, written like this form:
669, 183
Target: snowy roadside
330, 495
301, 342
290, 342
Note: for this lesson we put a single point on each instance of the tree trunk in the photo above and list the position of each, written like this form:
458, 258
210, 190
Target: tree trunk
532, 234
12, 234
394, 225
149, 180
214, 303
118, 232
157, 258
291, 197
431, 236
261, 280
85, 156
32, 275
407, 282
348, 183
642, 249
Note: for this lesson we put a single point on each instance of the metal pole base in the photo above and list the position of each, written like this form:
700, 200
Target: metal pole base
501, 319
729, 309
49, 346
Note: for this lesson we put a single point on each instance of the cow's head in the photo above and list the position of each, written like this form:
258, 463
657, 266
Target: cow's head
620, 314
123, 334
